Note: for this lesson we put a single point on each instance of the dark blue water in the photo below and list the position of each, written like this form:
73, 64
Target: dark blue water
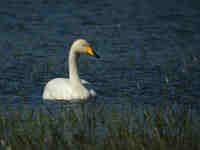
149, 49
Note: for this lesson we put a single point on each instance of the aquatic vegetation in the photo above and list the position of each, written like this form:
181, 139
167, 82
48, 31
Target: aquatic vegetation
90, 126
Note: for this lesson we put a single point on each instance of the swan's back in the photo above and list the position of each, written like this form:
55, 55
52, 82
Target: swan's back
63, 89
58, 88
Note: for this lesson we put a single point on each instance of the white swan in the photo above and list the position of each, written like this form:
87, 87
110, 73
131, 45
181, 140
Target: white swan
72, 88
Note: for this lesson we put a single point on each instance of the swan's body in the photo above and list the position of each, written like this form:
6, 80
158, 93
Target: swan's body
72, 88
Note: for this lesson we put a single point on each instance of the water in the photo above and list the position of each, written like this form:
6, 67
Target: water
142, 45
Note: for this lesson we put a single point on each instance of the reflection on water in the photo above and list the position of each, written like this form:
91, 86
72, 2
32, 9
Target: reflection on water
150, 51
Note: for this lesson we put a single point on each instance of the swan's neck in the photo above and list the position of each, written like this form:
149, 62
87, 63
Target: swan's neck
73, 67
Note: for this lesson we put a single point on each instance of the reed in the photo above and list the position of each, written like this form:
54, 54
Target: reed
94, 126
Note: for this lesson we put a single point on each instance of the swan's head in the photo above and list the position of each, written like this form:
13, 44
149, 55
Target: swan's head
82, 47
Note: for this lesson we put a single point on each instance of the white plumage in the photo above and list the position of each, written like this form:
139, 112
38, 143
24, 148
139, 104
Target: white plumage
72, 88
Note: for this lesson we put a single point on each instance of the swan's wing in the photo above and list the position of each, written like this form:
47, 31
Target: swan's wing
84, 82
58, 88
61, 89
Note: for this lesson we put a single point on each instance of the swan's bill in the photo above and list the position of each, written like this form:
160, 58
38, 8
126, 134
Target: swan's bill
91, 52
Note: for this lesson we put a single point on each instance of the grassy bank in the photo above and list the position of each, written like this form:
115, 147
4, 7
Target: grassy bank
95, 127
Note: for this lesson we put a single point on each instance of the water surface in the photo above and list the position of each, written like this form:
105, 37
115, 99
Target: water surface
149, 50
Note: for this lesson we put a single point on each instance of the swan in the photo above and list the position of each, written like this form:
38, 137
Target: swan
72, 88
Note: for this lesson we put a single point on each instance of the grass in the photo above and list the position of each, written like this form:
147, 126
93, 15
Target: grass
93, 126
